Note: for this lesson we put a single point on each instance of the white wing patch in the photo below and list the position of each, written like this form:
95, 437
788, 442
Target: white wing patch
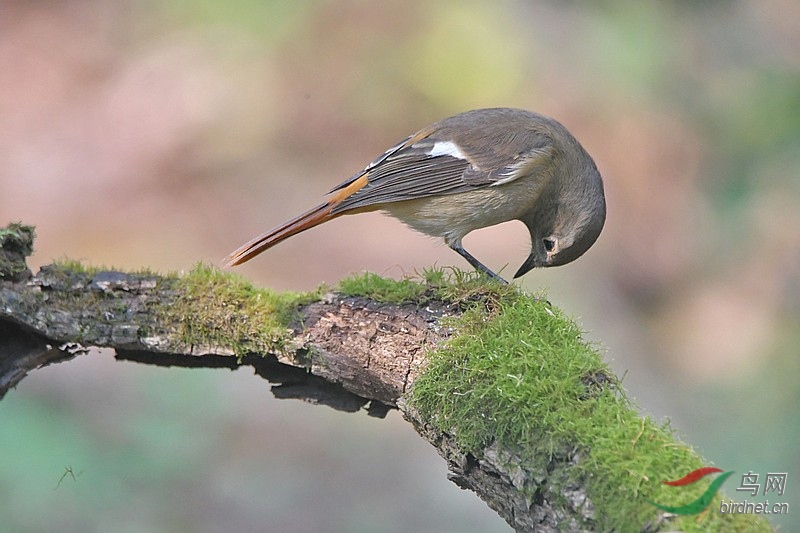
446, 148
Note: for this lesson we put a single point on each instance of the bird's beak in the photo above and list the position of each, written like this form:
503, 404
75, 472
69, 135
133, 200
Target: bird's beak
529, 263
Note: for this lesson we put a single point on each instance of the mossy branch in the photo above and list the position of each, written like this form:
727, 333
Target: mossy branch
502, 384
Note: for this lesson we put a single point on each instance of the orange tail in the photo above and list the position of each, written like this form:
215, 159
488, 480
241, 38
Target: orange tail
307, 220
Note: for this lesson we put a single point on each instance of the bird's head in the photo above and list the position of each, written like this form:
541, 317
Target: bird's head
567, 222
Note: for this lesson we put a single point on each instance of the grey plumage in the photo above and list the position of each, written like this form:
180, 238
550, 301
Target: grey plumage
470, 171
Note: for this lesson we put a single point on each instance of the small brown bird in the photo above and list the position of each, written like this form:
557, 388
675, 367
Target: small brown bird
471, 171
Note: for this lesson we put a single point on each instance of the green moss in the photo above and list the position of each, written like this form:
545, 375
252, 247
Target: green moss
16, 243
447, 284
70, 267
204, 307
19, 236
66, 266
519, 373
215, 308
380, 289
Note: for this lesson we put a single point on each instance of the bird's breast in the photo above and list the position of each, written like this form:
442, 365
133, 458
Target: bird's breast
452, 216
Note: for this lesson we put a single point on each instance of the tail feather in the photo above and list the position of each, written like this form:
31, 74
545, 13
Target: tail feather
318, 215
309, 219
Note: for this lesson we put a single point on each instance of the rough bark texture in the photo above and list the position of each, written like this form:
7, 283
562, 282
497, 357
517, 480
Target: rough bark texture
347, 353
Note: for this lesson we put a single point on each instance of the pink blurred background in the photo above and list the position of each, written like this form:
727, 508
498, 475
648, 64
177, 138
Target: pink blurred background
160, 134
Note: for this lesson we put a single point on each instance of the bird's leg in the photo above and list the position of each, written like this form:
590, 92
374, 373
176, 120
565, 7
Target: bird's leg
456, 247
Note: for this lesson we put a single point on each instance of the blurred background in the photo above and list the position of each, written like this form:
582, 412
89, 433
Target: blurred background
164, 133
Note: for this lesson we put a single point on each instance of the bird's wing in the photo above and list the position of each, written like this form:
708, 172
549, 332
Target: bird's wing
425, 164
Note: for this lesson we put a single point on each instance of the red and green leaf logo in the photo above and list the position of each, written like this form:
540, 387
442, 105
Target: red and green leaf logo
700, 503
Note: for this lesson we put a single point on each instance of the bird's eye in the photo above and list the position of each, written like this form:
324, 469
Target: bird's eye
549, 244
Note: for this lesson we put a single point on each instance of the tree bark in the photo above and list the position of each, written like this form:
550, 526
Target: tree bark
347, 352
